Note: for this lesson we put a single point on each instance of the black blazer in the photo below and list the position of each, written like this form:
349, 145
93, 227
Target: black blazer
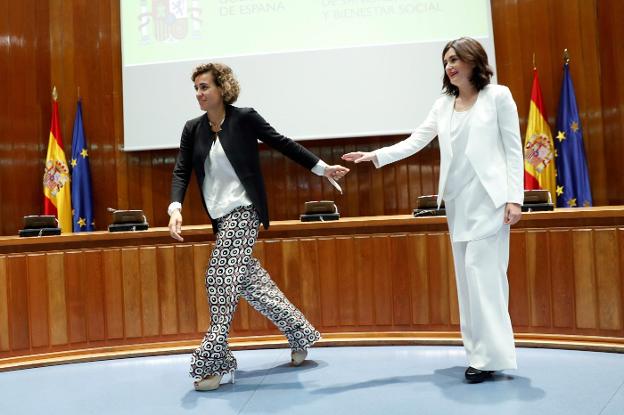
239, 135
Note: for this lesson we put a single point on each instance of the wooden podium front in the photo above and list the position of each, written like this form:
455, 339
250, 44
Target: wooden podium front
364, 280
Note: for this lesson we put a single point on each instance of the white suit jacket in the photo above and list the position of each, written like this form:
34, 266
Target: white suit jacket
494, 147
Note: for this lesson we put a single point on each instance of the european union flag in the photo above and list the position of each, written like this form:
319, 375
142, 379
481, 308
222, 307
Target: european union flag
573, 187
82, 201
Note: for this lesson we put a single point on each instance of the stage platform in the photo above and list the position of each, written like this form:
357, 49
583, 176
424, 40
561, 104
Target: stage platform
390, 380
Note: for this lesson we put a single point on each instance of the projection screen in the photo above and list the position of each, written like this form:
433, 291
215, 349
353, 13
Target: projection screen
315, 69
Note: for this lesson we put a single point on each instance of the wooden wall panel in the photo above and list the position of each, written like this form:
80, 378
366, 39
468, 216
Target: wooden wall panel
167, 290
19, 322
562, 281
538, 275
419, 278
75, 295
608, 279
113, 293
131, 285
561, 270
4, 306
290, 267
327, 271
95, 311
185, 288
57, 299
364, 258
382, 281
310, 285
346, 273
620, 239
584, 280
77, 46
399, 276
5, 122
150, 310
38, 300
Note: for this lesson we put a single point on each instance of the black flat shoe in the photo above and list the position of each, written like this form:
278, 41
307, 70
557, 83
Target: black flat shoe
477, 376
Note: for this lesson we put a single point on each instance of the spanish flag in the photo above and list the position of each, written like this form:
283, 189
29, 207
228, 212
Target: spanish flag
56, 190
539, 149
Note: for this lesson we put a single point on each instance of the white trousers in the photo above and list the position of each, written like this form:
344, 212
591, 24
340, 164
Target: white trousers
483, 292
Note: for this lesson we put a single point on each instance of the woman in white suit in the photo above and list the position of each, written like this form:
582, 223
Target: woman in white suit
481, 183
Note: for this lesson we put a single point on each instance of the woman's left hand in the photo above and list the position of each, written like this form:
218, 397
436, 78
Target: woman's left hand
336, 171
513, 213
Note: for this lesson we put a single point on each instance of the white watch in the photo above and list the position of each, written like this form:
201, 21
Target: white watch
173, 206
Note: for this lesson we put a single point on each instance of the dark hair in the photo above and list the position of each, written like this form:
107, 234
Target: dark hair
470, 51
223, 78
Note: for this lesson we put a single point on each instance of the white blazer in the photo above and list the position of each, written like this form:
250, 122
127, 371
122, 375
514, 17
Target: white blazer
494, 147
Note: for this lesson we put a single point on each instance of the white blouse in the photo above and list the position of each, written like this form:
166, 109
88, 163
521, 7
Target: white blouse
223, 191
460, 170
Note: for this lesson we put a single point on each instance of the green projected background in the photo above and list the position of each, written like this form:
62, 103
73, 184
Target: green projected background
180, 30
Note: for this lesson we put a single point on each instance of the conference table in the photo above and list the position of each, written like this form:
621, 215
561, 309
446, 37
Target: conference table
360, 280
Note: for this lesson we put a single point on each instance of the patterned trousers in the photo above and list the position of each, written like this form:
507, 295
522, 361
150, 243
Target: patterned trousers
233, 272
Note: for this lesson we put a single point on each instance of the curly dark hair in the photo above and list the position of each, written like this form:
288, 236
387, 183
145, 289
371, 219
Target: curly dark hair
223, 77
470, 51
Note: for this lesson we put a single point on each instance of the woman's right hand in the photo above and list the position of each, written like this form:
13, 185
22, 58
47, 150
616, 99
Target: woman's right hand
360, 156
175, 225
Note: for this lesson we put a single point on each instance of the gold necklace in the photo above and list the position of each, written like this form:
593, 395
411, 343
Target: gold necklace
220, 124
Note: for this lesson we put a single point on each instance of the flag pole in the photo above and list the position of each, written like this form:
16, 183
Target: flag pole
54, 94
566, 57
534, 67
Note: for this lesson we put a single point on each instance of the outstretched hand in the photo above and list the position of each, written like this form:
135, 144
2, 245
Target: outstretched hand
335, 172
360, 156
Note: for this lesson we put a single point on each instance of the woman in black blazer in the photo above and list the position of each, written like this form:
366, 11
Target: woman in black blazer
222, 147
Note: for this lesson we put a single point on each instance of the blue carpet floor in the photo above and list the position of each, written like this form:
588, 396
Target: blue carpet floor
345, 380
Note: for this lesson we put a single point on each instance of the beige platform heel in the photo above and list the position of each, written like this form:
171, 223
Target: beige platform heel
211, 383
297, 357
